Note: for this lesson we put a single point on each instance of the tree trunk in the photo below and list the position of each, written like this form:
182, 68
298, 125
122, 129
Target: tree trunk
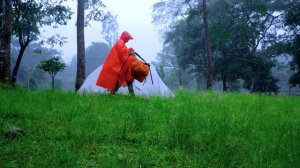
52, 82
224, 81
16, 68
181, 84
80, 75
199, 82
253, 84
208, 51
5, 41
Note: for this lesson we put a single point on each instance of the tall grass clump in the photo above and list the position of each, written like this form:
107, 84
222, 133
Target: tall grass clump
203, 129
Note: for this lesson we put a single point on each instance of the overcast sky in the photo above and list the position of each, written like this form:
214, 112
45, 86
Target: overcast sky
134, 16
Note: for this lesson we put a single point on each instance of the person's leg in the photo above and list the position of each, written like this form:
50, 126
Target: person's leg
116, 88
130, 88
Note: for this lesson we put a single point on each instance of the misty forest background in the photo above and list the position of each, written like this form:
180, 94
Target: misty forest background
254, 44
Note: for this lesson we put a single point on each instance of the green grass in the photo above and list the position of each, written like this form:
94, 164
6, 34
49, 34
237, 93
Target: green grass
191, 130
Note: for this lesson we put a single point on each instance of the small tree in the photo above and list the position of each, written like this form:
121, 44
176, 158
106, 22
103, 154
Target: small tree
52, 66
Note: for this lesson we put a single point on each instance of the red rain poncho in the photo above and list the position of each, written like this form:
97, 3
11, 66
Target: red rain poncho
118, 55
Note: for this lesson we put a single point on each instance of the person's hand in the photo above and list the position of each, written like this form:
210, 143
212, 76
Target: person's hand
131, 51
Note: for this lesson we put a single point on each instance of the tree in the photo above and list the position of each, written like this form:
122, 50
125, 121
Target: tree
292, 20
188, 55
80, 75
5, 41
263, 18
264, 81
231, 45
247, 34
295, 64
182, 38
96, 13
52, 66
29, 16
207, 46
187, 37
187, 34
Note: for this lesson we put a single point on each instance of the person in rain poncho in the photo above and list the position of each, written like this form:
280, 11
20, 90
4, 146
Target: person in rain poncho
110, 76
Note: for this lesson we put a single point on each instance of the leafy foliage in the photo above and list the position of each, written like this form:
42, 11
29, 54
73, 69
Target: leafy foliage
52, 66
167, 12
29, 16
292, 19
95, 11
29, 75
295, 65
241, 32
292, 16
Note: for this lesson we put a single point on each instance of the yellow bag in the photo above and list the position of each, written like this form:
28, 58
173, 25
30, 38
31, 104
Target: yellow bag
139, 70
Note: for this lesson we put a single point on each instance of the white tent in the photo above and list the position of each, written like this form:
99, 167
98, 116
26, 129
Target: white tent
146, 88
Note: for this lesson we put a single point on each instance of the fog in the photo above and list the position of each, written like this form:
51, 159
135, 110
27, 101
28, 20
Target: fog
133, 16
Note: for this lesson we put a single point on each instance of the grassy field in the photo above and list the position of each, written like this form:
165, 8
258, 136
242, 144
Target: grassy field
191, 130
